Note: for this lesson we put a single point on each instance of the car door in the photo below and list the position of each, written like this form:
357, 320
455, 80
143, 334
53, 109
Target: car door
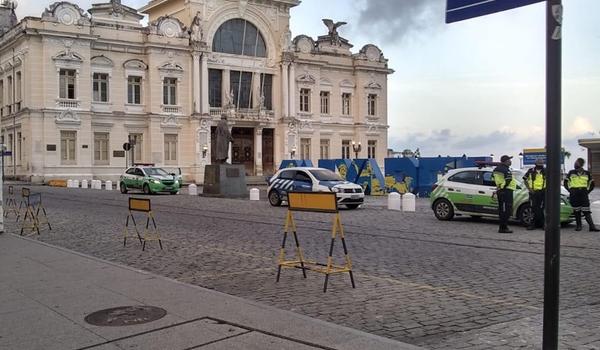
488, 202
464, 187
285, 181
129, 178
302, 182
139, 178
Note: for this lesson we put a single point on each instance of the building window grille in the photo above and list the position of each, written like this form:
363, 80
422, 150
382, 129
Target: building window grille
67, 84
372, 149
170, 148
346, 99
266, 89
304, 148
134, 90
101, 148
324, 149
239, 37
345, 149
215, 81
100, 87
372, 105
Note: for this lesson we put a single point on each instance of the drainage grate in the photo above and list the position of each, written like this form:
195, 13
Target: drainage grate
125, 316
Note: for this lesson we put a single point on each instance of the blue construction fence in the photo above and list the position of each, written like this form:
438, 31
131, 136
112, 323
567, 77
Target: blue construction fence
402, 175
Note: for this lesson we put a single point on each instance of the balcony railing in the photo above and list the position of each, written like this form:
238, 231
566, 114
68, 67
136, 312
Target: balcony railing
67, 103
244, 114
171, 109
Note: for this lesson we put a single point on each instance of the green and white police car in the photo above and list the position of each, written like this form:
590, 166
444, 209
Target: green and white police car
472, 191
149, 179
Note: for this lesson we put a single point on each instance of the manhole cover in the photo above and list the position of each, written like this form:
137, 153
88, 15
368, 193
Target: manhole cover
125, 316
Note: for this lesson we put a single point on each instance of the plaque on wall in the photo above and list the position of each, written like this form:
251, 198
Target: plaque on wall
119, 154
232, 172
51, 148
84, 146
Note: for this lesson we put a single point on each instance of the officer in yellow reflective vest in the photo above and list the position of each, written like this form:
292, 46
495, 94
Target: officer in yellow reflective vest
535, 181
505, 185
580, 183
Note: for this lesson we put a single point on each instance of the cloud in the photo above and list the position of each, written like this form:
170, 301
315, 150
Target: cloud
581, 126
396, 20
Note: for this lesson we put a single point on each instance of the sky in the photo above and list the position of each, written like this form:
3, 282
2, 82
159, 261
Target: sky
475, 87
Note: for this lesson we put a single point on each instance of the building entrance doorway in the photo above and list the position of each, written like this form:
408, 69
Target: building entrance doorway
242, 148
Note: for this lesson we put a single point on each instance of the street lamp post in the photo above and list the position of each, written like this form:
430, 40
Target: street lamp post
356, 148
521, 160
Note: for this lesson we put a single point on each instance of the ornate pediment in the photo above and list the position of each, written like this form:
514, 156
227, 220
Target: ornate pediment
371, 53
306, 79
102, 61
347, 84
135, 65
66, 13
304, 44
171, 68
168, 26
373, 85
325, 82
68, 117
170, 121
68, 56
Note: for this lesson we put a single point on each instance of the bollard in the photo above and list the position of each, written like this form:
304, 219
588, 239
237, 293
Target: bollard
118, 185
69, 183
75, 183
84, 184
108, 185
409, 202
97, 184
394, 201
255, 194
595, 208
193, 190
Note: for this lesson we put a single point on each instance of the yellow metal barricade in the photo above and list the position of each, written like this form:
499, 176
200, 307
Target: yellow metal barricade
319, 202
141, 205
34, 209
10, 205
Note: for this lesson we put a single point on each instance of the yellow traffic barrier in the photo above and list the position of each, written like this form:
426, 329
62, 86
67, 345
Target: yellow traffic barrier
57, 183
10, 205
33, 211
141, 205
319, 202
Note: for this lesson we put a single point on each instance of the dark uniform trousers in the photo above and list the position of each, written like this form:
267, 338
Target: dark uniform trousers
505, 204
537, 200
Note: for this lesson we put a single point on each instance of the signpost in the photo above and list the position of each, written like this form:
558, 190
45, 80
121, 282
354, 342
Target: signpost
458, 10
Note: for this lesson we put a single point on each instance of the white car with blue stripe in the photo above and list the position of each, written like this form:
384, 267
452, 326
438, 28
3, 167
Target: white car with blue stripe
313, 180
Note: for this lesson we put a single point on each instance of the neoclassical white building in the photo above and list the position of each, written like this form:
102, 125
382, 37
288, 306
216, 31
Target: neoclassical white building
76, 85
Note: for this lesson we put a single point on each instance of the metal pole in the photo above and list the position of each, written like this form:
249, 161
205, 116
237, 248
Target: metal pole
12, 110
553, 145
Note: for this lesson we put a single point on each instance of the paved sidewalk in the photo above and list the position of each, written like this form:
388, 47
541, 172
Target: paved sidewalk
46, 292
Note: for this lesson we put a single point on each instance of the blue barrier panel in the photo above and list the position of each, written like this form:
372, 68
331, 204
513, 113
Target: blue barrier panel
327, 164
368, 175
401, 174
291, 163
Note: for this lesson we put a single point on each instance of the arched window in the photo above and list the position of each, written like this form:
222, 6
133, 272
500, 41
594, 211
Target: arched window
239, 37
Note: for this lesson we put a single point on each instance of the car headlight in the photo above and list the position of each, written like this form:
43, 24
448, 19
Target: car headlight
334, 189
176, 182
155, 181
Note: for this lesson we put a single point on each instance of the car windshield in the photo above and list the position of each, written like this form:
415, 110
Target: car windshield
325, 175
155, 172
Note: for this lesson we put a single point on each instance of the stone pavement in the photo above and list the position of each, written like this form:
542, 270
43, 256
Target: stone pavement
441, 285
46, 292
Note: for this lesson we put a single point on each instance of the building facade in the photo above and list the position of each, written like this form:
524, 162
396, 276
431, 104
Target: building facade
593, 157
75, 86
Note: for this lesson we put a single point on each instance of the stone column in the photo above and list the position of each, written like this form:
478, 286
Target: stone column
256, 90
292, 90
258, 163
205, 105
197, 99
225, 87
285, 111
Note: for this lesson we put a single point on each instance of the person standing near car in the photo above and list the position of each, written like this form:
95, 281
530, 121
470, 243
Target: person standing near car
535, 181
505, 185
580, 183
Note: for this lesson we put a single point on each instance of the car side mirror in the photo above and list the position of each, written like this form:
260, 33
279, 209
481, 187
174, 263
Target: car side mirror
172, 174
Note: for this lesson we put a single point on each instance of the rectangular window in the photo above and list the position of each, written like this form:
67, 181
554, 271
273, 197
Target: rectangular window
137, 142
305, 100
134, 90
170, 148
9, 146
241, 86
372, 149
324, 149
215, 81
324, 102
18, 91
346, 100
2, 96
67, 84
304, 148
372, 104
18, 155
68, 146
170, 92
100, 87
101, 148
345, 149
266, 88
10, 91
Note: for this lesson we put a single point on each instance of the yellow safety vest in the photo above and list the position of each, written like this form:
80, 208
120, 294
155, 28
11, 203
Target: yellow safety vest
579, 181
539, 183
501, 181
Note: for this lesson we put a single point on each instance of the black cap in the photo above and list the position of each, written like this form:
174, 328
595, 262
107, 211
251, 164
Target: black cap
504, 158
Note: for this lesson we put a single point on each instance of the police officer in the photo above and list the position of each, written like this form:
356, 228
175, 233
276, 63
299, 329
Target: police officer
505, 185
579, 182
535, 181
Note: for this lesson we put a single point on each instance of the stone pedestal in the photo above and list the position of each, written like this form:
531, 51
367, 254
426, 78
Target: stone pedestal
225, 180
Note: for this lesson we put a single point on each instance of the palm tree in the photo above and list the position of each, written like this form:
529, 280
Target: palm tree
565, 155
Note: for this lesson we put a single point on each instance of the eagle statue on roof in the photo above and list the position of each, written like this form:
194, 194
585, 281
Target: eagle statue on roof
333, 29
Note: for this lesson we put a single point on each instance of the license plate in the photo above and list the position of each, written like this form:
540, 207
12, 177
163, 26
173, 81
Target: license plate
168, 188
355, 196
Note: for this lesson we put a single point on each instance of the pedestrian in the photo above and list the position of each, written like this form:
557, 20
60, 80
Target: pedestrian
505, 185
580, 183
535, 181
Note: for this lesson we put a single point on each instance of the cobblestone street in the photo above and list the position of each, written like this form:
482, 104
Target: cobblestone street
440, 285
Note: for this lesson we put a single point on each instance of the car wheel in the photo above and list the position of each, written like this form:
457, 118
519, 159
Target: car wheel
443, 210
525, 215
274, 198
147, 189
174, 192
352, 206
123, 188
